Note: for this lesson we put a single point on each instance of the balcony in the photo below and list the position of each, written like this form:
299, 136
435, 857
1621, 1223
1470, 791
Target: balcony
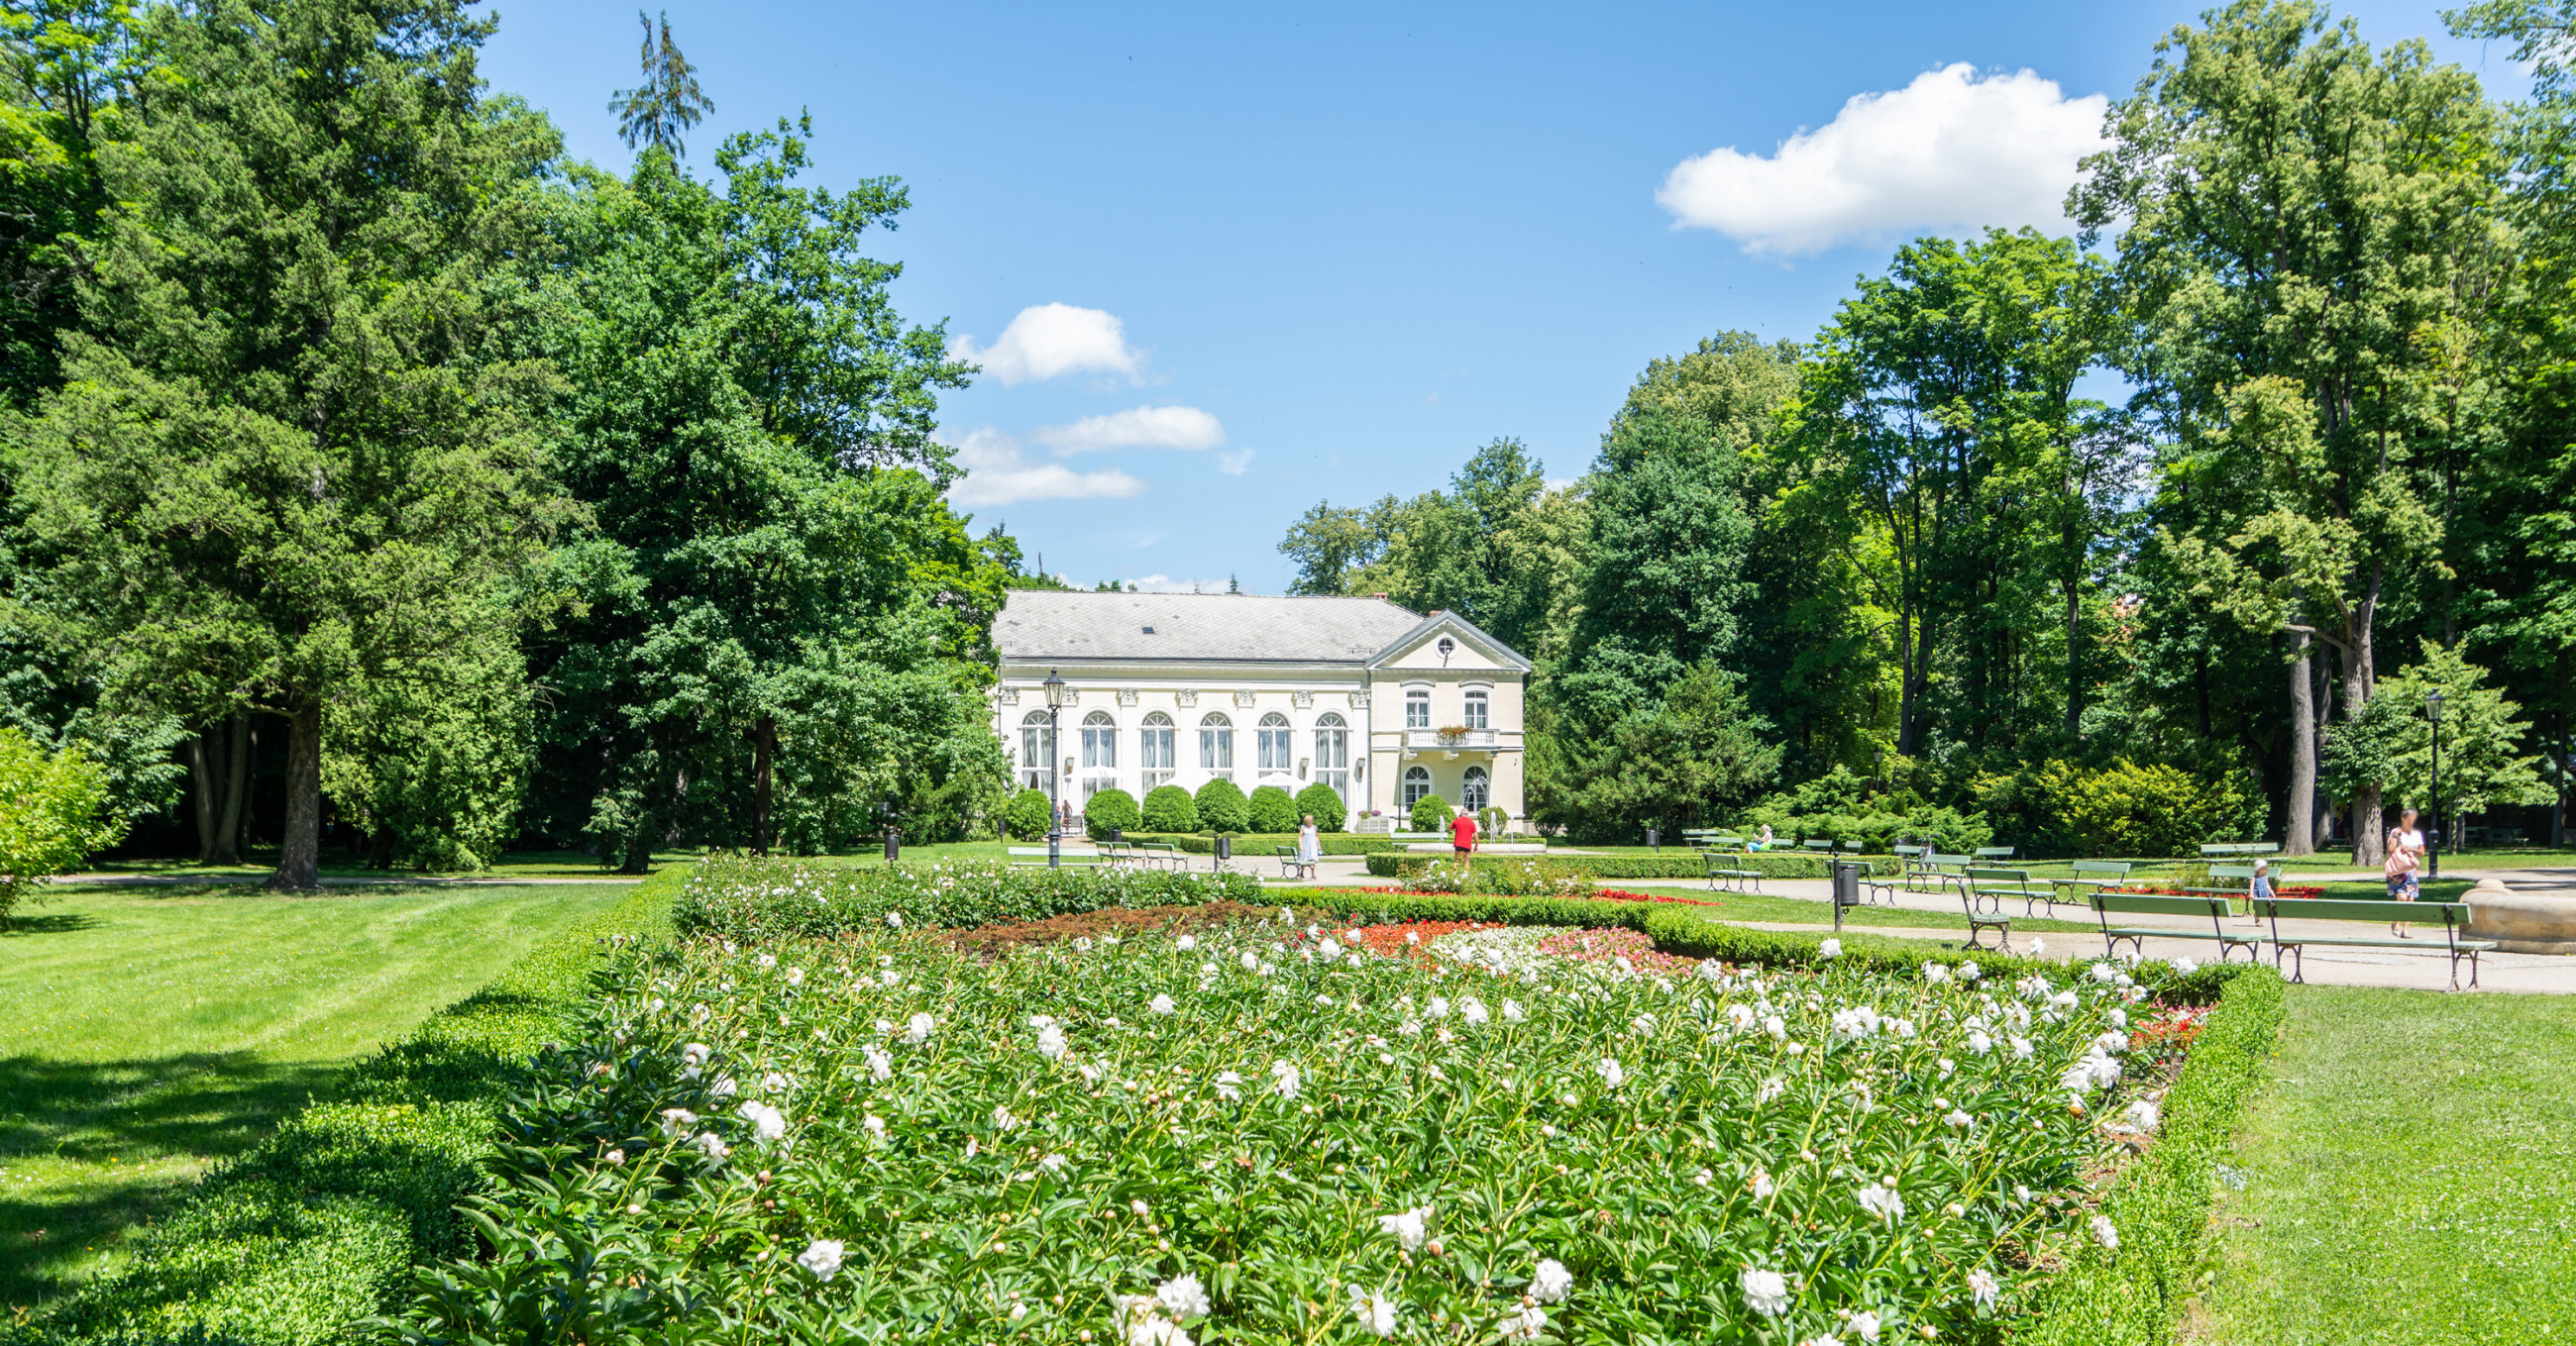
1434, 740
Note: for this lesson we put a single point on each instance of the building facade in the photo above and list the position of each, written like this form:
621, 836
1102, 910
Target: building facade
1372, 699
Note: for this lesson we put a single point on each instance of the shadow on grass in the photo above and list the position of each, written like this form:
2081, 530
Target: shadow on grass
60, 923
141, 1114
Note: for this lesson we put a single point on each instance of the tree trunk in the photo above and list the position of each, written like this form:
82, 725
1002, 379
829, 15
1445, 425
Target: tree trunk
2302, 837
2074, 662
299, 856
2368, 845
764, 756
228, 825
201, 781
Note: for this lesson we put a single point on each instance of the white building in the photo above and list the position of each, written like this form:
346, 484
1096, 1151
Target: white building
1381, 704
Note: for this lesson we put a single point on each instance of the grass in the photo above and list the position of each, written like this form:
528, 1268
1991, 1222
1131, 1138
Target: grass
153, 1031
2405, 1168
259, 863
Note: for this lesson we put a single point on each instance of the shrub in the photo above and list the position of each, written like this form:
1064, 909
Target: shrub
1325, 804
1670, 865
1430, 814
1030, 815
51, 814
1271, 810
1111, 808
1258, 843
745, 900
2124, 809
1839, 806
1222, 807
1491, 821
1169, 808
1502, 876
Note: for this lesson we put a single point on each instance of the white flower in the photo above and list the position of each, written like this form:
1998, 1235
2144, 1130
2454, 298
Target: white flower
1524, 1325
714, 1147
1763, 1187
2185, 966
1284, 1079
676, 1122
875, 1125
1903, 1028
1958, 1118
1186, 943
1969, 971
767, 960
1832, 948
795, 976
1865, 1324
1439, 1008
1250, 961
1472, 1010
1375, 1311
2105, 973
1611, 1074
1771, 1088
1881, 1200
822, 1257
1512, 1012
1765, 1292
1330, 951
1551, 1283
1051, 1042
1777, 1027
1947, 1066
1142, 1323
695, 1055
1983, 1286
895, 919
889, 977
919, 1028
768, 1124
1857, 1022
1740, 1016
2106, 1233
2143, 1115
2021, 1049
1935, 973
1643, 1023
1053, 1163
1406, 1226
1003, 1120
879, 1064
1184, 1297
1978, 1042
1162, 1004
2117, 1018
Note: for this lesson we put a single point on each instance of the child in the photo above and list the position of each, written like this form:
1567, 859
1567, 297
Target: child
2262, 889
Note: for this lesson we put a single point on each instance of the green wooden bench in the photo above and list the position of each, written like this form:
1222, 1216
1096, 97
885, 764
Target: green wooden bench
1938, 869
1996, 852
1023, 857
2210, 848
2089, 876
1983, 893
1161, 853
1875, 884
2214, 910
1719, 865
1816, 844
1290, 867
2452, 917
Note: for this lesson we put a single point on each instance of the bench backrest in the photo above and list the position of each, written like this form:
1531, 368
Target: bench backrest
2380, 910
2240, 848
1998, 876
1909, 850
1937, 858
2152, 905
1818, 844
2241, 873
2118, 869
1158, 848
1996, 852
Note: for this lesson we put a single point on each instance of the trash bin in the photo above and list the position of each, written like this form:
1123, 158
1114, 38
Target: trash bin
1224, 848
894, 844
1654, 838
1846, 889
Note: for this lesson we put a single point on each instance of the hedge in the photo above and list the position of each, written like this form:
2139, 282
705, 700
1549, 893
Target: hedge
750, 900
319, 1225
1260, 843
1686, 865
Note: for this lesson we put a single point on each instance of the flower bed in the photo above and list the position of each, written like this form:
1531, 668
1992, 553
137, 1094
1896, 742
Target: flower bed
2299, 890
1224, 1136
746, 900
1675, 865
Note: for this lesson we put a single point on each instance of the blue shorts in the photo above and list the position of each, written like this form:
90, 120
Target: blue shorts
2404, 887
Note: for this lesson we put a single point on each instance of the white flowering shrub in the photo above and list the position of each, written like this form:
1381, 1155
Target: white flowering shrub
1249, 1140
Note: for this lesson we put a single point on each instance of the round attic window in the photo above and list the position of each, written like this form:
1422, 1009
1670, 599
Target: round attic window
1446, 647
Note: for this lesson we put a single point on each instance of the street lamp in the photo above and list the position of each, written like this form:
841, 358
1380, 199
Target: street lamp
1054, 685
2433, 711
1877, 763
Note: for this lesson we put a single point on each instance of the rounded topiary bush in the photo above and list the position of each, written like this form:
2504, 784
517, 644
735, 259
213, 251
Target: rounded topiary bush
1029, 815
1272, 810
1328, 808
1222, 807
1431, 813
1491, 820
1111, 808
1169, 808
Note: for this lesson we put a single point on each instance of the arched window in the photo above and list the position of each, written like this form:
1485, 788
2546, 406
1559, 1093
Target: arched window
1273, 744
1037, 753
1099, 753
1154, 746
1476, 791
1216, 745
1333, 754
1417, 783
1476, 711
1417, 707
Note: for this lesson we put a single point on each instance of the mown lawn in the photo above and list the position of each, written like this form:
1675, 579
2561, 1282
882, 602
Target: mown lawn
148, 1032
2409, 1177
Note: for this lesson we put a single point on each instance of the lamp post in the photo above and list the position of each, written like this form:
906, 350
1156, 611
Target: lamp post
1877, 763
2433, 710
1054, 685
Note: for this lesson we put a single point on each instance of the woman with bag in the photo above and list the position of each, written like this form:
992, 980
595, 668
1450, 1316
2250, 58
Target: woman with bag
2405, 858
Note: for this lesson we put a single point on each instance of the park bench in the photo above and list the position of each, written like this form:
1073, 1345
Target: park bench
1702, 838
1938, 869
1875, 884
1984, 853
2001, 885
1290, 867
1117, 854
1023, 857
1816, 844
2215, 910
1983, 892
2210, 848
2452, 917
2090, 875
1161, 853
1909, 859
1720, 868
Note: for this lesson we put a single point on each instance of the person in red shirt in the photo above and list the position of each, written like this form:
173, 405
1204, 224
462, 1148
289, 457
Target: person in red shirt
1462, 834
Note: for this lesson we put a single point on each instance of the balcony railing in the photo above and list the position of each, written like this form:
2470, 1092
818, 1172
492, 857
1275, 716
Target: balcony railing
1432, 738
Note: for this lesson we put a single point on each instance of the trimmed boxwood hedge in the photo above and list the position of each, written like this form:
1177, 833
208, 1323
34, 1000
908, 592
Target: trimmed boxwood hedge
748, 900
1259, 843
1686, 865
319, 1225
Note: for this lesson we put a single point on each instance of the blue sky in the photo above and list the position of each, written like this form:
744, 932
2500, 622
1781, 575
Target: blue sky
1222, 262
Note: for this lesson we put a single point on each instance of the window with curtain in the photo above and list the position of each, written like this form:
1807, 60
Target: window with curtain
1154, 750
1476, 711
1273, 744
1037, 753
1333, 754
1099, 753
1417, 708
1216, 746
1417, 783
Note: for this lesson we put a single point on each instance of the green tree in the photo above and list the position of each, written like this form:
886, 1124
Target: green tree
1169, 808
1430, 813
2482, 761
1324, 804
430, 766
1685, 760
1222, 807
53, 815
282, 472
660, 111
2306, 226
1111, 810
1271, 810
1030, 816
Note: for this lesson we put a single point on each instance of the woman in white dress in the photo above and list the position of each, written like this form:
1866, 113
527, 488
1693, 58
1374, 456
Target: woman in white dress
2404, 866
1310, 848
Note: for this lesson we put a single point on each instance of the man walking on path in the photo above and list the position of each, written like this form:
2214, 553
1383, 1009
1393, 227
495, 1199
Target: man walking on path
1462, 834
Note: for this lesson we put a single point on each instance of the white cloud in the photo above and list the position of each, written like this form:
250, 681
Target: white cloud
1048, 340
996, 473
1234, 462
1137, 428
1949, 151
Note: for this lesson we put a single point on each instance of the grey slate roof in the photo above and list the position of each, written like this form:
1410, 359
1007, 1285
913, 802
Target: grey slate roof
1037, 625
